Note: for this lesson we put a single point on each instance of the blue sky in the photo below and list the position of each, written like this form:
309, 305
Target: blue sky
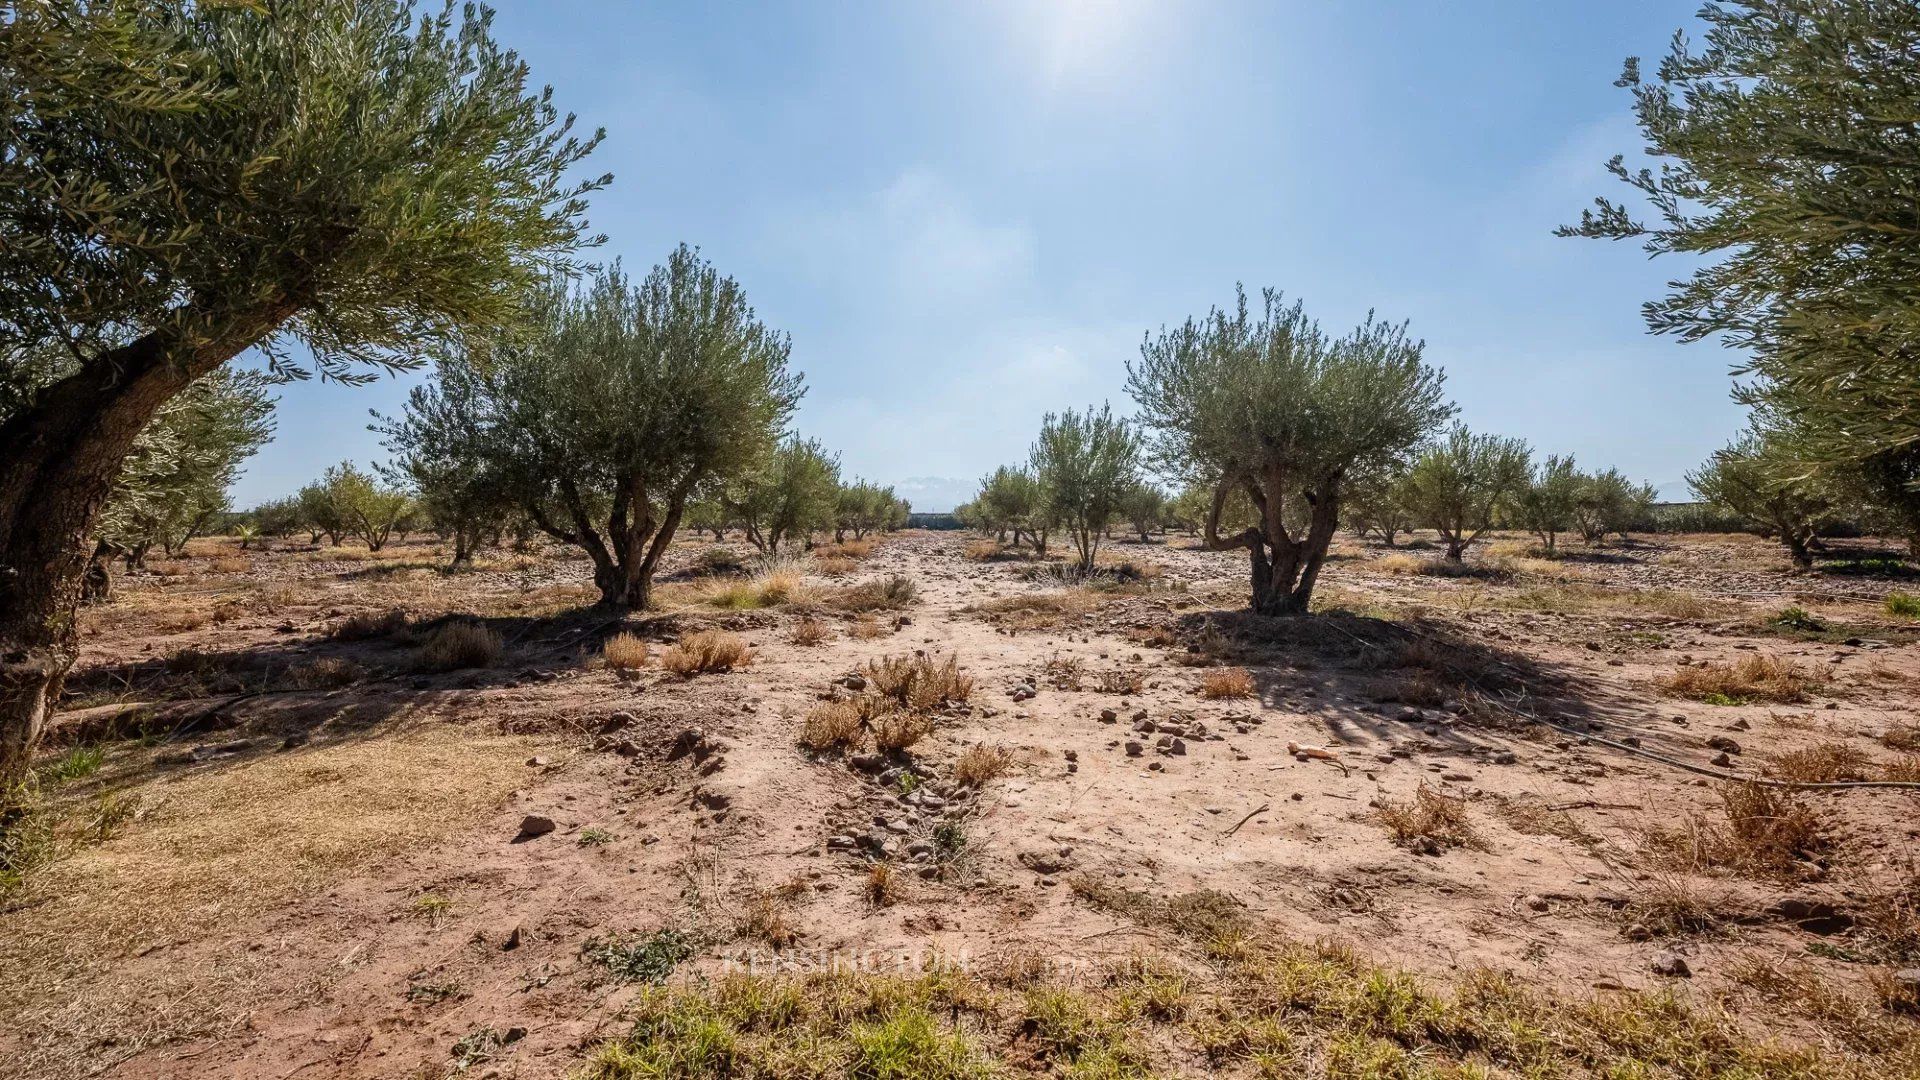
966, 214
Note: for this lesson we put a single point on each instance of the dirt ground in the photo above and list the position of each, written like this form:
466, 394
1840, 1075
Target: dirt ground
285, 842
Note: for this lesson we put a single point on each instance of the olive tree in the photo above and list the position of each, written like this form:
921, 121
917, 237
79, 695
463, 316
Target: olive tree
173, 482
793, 494
1270, 407
1373, 503
1608, 502
621, 401
1548, 500
1760, 479
364, 507
863, 507
1085, 464
1787, 181
438, 455
1145, 507
182, 182
1012, 500
1460, 485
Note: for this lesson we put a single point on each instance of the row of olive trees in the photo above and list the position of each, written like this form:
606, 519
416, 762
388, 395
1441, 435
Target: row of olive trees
1279, 431
345, 502
1465, 484
1082, 474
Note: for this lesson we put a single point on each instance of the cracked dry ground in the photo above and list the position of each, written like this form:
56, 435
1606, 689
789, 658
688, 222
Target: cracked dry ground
334, 881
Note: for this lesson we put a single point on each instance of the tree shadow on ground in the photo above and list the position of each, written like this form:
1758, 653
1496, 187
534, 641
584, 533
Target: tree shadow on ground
1419, 684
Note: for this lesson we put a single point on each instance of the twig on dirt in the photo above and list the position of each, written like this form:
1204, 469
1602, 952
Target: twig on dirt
1257, 811
1589, 804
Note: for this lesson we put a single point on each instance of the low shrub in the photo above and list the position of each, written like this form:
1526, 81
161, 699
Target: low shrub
706, 651
895, 592
918, 683
626, 651
809, 632
460, 645
833, 725
896, 730
1751, 678
1822, 764
1429, 820
362, 625
980, 763
1904, 605
325, 673
1226, 683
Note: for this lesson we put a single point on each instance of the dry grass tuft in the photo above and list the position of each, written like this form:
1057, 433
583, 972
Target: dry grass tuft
706, 651
1065, 672
894, 731
773, 587
767, 918
1429, 821
852, 550
1822, 764
1226, 683
1752, 678
883, 886
1902, 737
1120, 681
809, 632
362, 625
980, 763
895, 592
833, 725
460, 645
325, 673
918, 683
626, 651
829, 566
867, 628
1761, 831
1037, 611
983, 550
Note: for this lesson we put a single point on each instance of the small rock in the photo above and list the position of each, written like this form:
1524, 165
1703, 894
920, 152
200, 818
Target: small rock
1135, 748
1721, 761
1723, 743
1535, 902
1671, 964
534, 825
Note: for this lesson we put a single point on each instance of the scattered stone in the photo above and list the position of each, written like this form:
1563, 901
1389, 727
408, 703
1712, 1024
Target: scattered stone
537, 761
1047, 861
1723, 743
1108, 716
1135, 748
1721, 761
1637, 932
1535, 902
512, 942
533, 826
1671, 964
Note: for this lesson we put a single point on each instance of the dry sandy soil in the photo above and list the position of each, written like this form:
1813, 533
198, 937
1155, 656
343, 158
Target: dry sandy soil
282, 844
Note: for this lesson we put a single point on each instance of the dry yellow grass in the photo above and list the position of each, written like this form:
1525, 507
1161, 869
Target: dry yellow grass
208, 849
867, 628
833, 725
830, 566
896, 730
325, 673
1429, 819
1226, 683
774, 587
706, 651
853, 550
809, 632
919, 683
1752, 678
626, 651
1761, 831
883, 885
369, 624
980, 763
982, 550
1821, 764
460, 645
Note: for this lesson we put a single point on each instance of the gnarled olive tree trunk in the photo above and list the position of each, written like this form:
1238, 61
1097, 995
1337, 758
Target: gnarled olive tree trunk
1283, 567
61, 455
627, 548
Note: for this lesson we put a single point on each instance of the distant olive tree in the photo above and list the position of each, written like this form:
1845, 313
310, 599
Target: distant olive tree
1759, 478
173, 484
1548, 500
1145, 507
444, 460
1085, 463
1012, 500
182, 182
1607, 502
605, 418
1373, 503
1271, 408
862, 507
1461, 485
795, 493
364, 507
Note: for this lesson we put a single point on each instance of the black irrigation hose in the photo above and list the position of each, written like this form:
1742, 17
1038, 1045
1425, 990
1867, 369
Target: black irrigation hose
1717, 774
